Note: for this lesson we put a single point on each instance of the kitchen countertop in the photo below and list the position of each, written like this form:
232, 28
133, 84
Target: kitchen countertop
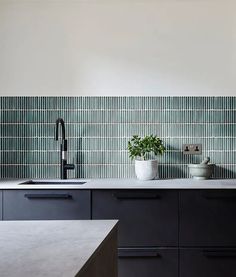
50, 248
129, 184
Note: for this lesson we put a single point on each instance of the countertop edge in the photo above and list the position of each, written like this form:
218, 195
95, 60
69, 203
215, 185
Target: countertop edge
115, 183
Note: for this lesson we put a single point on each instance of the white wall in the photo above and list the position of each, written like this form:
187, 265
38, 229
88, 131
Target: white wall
117, 47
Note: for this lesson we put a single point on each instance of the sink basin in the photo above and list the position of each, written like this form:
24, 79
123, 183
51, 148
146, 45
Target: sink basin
53, 182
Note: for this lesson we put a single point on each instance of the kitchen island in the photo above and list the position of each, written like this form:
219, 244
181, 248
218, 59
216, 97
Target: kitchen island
58, 248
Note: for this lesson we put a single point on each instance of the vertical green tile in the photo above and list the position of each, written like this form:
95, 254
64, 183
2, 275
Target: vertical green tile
98, 129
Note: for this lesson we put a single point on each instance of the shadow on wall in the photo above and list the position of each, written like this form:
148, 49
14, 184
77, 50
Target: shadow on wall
79, 157
223, 172
172, 171
174, 164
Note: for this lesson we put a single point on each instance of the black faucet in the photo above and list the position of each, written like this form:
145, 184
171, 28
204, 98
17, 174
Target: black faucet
63, 155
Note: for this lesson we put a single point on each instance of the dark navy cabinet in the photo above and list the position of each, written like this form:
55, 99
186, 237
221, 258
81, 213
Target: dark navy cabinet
205, 262
0, 205
148, 262
208, 218
207, 228
147, 230
46, 204
146, 217
164, 233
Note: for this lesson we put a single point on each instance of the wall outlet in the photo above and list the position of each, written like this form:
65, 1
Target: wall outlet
192, 149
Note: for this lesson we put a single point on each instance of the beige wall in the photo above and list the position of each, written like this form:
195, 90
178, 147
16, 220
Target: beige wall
118, 47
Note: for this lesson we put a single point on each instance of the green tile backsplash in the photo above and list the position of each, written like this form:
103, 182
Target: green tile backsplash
98, 129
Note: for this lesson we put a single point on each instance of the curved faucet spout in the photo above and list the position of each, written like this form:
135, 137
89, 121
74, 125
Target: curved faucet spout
63, 153
60, 120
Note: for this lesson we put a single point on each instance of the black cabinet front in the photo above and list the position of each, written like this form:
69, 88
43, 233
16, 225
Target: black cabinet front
146, 217
208, 218
148, 262
46, 204
153, 224
212, 262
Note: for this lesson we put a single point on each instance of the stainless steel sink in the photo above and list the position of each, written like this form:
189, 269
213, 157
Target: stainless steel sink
53, 182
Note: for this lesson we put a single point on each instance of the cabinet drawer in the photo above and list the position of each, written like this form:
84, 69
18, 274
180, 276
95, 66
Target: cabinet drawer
207, 218
146, 217
0, 205
207, 262
46, 204
149, 262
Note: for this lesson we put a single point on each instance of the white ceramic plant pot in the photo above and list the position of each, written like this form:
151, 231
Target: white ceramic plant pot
146, 170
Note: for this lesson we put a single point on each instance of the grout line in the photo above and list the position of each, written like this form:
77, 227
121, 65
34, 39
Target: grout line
105, 150
112, 137
110, 164
120, 123
118, 110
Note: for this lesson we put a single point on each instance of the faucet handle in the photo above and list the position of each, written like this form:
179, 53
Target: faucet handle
69, 166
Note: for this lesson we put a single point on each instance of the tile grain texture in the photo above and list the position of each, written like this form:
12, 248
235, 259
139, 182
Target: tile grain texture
98, 129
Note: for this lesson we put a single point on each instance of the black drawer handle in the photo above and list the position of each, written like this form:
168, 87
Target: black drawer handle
47, 196
138, 253
219, 253
135, 196
220, 197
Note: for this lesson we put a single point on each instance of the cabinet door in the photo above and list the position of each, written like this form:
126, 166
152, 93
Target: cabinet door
46, 204
150, 262
146, 217
0, 205
207, 218
207, 262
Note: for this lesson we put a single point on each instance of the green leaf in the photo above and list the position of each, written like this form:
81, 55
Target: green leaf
140, 147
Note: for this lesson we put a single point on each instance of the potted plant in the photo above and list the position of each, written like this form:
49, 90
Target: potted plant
141, 149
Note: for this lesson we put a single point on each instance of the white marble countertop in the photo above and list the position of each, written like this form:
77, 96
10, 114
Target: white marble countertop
128, 184
49, 248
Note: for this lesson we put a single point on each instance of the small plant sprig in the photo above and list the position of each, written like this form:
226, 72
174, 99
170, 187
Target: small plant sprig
141, 147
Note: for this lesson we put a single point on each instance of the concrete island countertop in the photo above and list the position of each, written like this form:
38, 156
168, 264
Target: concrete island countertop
111, 183
53, 248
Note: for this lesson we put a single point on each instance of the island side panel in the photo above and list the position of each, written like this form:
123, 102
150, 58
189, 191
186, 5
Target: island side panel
104, 262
